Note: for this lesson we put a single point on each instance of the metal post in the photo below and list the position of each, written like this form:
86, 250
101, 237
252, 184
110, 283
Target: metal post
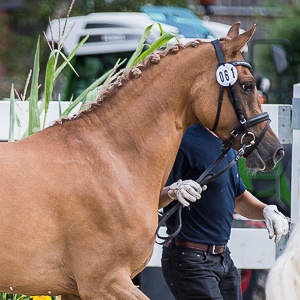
295, 184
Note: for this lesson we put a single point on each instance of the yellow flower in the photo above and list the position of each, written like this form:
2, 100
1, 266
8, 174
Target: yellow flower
40, 298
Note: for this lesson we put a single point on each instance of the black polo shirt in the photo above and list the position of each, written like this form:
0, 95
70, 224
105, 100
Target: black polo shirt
209, 219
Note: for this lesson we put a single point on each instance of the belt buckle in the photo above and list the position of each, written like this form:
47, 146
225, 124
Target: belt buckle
213, 249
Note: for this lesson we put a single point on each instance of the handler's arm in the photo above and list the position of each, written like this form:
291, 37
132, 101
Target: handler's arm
249, 206
164, 198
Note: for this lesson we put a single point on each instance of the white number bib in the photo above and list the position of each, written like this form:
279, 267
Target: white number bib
226, 74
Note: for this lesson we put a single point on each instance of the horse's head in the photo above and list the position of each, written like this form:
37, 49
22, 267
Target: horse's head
236, 113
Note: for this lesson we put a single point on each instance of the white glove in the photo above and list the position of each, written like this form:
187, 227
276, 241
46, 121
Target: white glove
276, 223
184, 191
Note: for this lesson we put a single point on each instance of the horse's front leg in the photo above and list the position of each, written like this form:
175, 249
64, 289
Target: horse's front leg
117, 288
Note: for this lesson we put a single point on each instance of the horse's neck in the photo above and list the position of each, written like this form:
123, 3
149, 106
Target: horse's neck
142, 123
146, 117
153, 106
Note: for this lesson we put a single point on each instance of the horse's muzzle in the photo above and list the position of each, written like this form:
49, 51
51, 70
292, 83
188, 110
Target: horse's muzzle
257, 161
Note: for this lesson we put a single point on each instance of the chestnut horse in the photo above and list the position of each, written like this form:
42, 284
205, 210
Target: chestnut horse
79, 200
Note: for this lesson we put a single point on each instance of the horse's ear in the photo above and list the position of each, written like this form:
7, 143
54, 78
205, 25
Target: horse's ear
234, 30
237, 42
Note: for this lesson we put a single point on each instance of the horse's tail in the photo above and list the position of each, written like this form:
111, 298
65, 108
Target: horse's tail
283, 281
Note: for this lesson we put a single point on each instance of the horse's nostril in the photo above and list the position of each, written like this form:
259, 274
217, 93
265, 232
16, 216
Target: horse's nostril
278, 155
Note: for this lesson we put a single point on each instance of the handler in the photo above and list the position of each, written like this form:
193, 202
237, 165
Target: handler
197, 263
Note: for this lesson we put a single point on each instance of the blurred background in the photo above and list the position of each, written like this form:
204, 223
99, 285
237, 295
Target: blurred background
22, 21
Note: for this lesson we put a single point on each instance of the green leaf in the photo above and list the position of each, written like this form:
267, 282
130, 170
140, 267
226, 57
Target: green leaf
11, 137
67, 61
139, 48
81, 97
18, 120
95, 84
164, 39
34, 116
91, 97
139, 55
59, 105
49, 83
160, 29
70, 56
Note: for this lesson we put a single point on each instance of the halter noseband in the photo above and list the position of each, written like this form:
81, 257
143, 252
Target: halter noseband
244, 123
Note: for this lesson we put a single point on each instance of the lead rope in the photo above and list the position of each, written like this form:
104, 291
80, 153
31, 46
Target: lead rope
205, 178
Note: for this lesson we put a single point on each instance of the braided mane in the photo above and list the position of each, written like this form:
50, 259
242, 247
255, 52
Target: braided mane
116, 82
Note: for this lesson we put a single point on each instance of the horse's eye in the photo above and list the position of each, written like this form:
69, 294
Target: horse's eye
248, 87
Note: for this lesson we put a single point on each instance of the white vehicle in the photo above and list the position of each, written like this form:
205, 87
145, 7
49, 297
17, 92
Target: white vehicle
217, 29
112, 32
112, 36
188, 23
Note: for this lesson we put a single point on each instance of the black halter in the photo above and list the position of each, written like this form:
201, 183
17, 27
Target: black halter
244, 124
207, 177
